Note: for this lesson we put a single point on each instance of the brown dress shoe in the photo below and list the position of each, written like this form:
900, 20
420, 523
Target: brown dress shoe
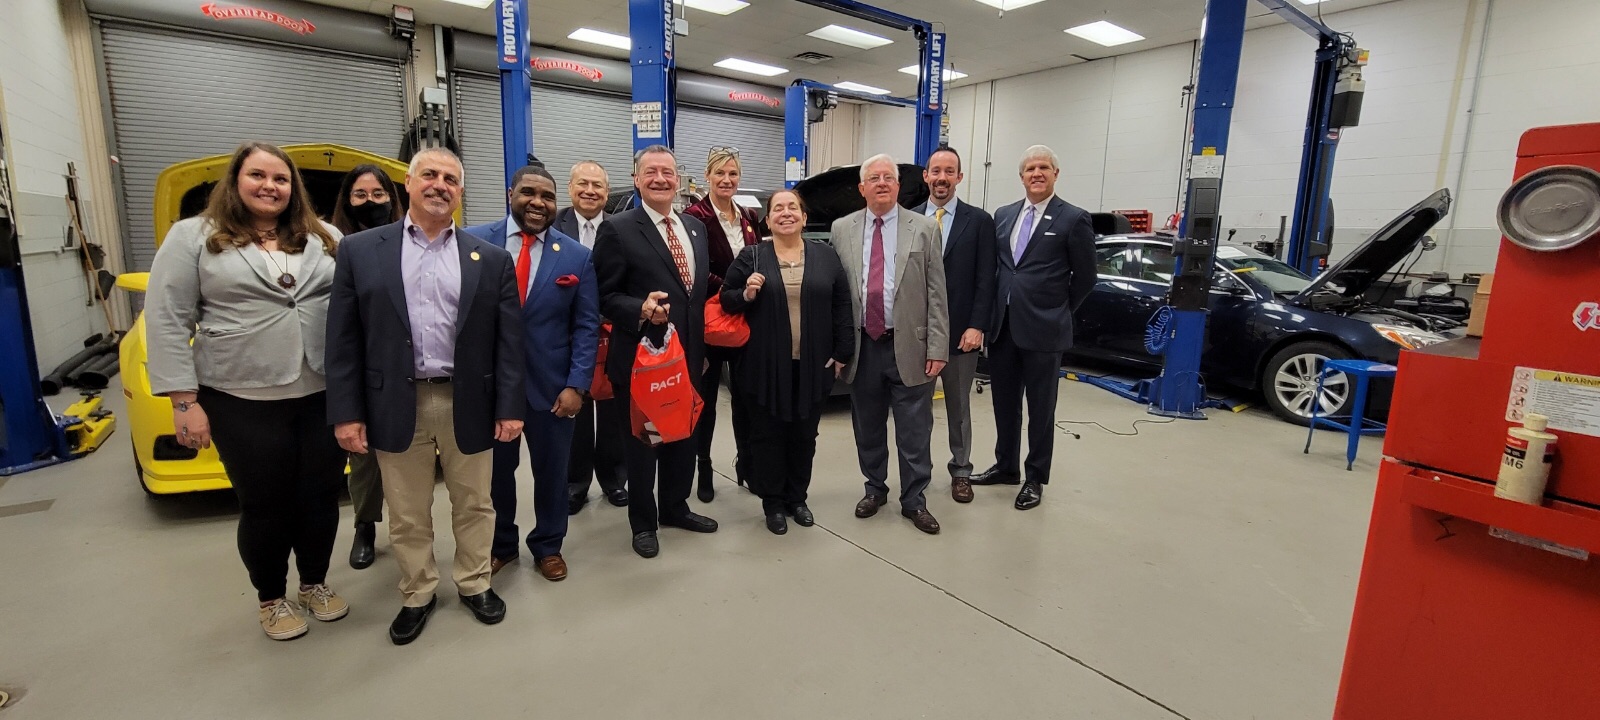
552, 567
496, 563
869, 505
961, 489
923, 520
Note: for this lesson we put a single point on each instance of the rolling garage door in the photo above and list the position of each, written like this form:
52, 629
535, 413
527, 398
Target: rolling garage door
760, 143
478, 106
178, 96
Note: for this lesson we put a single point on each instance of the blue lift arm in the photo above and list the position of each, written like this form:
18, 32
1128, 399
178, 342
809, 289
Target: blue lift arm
797, 122
516, 85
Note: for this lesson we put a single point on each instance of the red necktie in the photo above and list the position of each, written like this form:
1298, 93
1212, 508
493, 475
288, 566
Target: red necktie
679, 258
874, 310
524, 266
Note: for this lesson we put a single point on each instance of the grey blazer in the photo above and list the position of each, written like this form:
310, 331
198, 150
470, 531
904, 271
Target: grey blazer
248, 332
921, 308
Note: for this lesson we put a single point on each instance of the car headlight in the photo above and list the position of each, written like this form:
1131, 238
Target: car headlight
1409, 338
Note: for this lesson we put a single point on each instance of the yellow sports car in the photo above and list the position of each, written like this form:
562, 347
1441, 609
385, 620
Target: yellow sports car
164, 466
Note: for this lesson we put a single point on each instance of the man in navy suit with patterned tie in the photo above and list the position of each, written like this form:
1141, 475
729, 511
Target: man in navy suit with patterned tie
560, 320
1044, 247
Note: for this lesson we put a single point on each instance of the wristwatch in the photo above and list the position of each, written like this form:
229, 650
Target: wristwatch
184, 405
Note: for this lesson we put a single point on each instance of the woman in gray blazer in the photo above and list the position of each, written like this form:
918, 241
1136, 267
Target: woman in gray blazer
247, 282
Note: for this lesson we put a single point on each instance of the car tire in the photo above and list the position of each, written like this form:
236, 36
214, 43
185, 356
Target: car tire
138, 469
1289, 379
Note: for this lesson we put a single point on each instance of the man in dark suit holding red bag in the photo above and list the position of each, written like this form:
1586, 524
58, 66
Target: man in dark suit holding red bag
560, 321
652, 264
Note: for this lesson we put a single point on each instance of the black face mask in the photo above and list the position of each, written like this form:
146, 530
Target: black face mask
370, 214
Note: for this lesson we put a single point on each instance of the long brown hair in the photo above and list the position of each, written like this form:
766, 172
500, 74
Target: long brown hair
230, 219
341, 209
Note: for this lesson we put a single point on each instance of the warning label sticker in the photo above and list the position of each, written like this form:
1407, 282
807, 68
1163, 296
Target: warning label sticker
1570, 400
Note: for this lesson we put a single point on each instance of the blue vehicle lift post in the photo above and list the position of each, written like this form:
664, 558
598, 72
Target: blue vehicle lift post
516, 85
797, 122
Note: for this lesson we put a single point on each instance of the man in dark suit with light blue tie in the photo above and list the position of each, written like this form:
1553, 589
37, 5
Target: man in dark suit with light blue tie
1045, 252
560, 325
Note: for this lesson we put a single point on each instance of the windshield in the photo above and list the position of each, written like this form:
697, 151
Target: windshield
1276, 275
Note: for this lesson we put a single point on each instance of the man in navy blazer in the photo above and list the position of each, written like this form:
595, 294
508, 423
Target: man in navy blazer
1045, 252
424, 360
969, 260
560, 321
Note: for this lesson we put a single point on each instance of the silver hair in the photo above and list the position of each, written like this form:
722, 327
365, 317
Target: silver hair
875, 159
1036, 152
650, 150
574, 171
433, 151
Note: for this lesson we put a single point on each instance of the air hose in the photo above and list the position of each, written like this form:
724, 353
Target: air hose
1158, 332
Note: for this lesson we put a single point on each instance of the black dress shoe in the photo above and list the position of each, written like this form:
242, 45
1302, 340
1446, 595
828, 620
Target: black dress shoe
362, 551
691, 522
617, 497
576, 501
646, 545
869, 505
777, 523
705, 491
1030, 495
802, 515
922, 519
486, 606
407, 626
993, 476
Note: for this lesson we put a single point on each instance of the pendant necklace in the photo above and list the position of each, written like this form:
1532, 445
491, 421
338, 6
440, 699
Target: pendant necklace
285, 280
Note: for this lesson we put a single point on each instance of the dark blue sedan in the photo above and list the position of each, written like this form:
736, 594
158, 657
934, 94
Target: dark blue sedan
1270, 326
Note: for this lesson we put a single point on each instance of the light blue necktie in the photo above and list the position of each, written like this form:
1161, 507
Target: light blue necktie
1027, 232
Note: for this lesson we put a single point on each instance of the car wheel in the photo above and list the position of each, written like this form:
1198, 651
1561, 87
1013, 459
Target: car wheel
138, 470
1290, 381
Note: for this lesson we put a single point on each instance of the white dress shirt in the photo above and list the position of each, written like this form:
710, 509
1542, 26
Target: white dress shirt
678, 229
587, 228
1038, 217
949, 217
891, 237
514, 246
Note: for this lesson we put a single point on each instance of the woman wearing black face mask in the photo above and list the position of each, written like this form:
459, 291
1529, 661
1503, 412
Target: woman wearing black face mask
367, 199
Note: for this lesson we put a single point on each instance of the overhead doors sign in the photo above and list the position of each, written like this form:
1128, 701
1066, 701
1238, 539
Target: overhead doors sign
647, 119
241, 12
544, 64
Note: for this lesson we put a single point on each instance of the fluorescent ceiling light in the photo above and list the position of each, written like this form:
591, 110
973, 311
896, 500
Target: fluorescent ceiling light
858, 87
479, 4
754, 68
720, 7
849, 36
1105, 33
916, 71
598, 37
1008, 4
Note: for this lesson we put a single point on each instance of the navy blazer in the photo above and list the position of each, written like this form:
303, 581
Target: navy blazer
560, 322
371, 367
969, 263
632, 261
1055, 275
567, 223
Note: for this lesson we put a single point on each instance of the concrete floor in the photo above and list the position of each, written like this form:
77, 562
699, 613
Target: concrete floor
1198, 570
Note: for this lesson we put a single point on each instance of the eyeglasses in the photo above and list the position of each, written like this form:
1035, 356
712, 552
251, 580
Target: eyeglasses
723, 149
375, 195
875, 179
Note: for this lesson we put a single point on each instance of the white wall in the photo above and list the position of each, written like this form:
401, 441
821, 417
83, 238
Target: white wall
43, 134
887, 129
1119, 128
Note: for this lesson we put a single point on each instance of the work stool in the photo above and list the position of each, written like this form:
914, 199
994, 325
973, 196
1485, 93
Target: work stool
1362, 371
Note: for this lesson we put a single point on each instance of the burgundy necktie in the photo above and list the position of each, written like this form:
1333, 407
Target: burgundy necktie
874, 309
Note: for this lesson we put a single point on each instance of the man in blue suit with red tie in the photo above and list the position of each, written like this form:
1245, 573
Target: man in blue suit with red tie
561, 321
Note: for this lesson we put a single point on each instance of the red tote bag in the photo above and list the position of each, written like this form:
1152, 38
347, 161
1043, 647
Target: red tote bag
600, 389
725, 329
665, 406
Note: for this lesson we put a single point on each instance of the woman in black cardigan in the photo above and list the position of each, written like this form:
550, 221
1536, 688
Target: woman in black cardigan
784, 379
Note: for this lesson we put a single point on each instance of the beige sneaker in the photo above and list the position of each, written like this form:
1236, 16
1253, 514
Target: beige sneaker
323, 603
282, 621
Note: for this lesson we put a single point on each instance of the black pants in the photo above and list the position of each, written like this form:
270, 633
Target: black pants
287, 470
710, 383
672, 464
597, 447
784, 451
1015, 373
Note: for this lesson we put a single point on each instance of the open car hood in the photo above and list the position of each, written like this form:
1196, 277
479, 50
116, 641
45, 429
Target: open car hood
836, 193
1352, 276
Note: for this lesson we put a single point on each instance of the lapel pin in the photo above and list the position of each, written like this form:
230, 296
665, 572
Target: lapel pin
474, 256
555, 247
1047, 217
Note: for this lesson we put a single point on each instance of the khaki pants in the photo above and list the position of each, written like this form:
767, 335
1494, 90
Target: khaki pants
408, 489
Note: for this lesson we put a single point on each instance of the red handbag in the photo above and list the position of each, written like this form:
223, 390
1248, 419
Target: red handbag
665, 405
724, 329
600, 389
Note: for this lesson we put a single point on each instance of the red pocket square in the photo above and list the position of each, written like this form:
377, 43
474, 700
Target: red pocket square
566, 281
